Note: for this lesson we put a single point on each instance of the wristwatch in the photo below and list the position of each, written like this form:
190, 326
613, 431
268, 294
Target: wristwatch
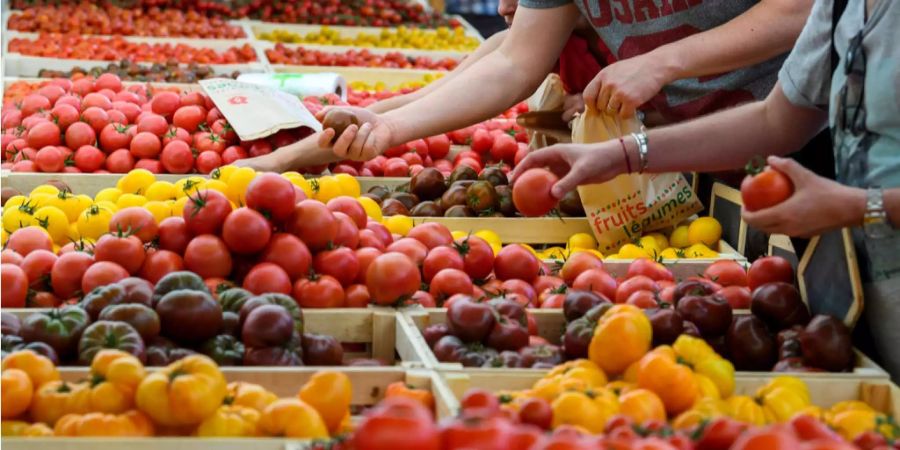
875, 222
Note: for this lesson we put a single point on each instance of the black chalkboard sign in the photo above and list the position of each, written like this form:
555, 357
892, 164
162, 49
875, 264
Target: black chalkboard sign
780, 245
725, 206
829, 277
692, 179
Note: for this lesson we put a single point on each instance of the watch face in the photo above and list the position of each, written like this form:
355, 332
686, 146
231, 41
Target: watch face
878, 230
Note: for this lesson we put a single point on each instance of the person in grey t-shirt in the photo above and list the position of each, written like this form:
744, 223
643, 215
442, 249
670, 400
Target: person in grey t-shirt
859, 101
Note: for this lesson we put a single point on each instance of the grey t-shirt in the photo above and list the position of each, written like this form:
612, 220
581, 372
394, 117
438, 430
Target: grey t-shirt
628, 28
807, 80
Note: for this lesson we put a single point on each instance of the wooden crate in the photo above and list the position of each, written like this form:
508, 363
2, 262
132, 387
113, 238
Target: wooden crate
551, 325
29, 66
370, 75
258, 27
369, 384
375, 328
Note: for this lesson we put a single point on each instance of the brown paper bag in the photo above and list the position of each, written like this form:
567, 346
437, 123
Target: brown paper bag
550, 96
622, 209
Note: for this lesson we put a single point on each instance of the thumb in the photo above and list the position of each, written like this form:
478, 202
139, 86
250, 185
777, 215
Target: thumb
794, 170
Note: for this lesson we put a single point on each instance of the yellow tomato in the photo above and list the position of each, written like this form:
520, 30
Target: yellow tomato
109, 194
94, 222
490, 236
325, 188
55, 222
14, 201
136, 181
648, 243
4, 236
700, 251
457, 234
186, 186
238, 182
554, 253
581, 240
72, 233
160, 191
297, 180
178, 206
84, 202
349, 185
110, 206
705, 230
399, 224
679, 237
18, 217
222, 173
372, 209
217, 185
672, 253
45, 189
126, 200
159, 210
661, 241
40, 199
632, 251
592, 251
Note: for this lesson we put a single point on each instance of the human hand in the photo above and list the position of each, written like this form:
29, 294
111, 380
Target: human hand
576, 164
816, 206
358, 142
574, 104
621, 88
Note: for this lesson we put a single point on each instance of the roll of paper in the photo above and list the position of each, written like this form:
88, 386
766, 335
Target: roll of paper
300, 84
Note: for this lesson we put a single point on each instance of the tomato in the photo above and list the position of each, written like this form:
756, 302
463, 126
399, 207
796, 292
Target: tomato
440, 258
205, 142
64, 116
391, 277
319, 291
438, 146
232, 154
650, 269
177, 134
738, 296
173, 234
245, 231
153, 123
313, 223
89, 158
399, 423
357, 296
290, 253
727, 273
267, 277
208, 256
537, 412
480, 400
159, 263
177, 157
43, 134
120, 161
381, 232
145, 145
49, 159
412, 248
79, 134
482, 141
33, 103
531, 192
208, 161
188, 117
515, 261
97, 118
551, 300
578, 263
364, 257
765, 189
11, 257
272, 195
643, 299
432, 234
478, 256
547, 282
634, 284
126, 251
340, 263
769, 269
423, 299
349, 206
504, 148
448, 282
597, 281
396, 167
165, 103
28, 239
102, 273
14, 286
135, 220
205, 212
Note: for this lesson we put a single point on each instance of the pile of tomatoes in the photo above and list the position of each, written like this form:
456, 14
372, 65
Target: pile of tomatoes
85, 18
281, 54
66, 46
99, 125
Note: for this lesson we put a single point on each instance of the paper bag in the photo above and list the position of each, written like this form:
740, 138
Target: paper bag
256, 111
621, 209
550, 96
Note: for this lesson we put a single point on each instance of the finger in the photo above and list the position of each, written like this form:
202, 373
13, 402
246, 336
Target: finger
568, 114
615, 103
766, 220
325, 137
370, 147
627, 110
796, 172
592, 92
341, 146
604, 97
356, 147
567, 183
539, 158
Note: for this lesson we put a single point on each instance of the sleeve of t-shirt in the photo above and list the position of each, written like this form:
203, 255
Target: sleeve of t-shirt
543, 4
806, 74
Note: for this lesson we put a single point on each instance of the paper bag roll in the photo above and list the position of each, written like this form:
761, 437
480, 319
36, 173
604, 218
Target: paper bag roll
300, 84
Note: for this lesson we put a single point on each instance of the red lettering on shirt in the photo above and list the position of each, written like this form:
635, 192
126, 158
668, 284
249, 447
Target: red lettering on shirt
666, 8
604, 18
624, 15
645, 8
679, 5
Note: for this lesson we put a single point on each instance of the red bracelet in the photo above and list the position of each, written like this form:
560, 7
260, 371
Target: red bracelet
625, 152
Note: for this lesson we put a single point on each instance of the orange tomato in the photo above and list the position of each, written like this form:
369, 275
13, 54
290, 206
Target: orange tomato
674, 383
38, 367
642, 405
622, 337
293, 418
330, 393
16, 393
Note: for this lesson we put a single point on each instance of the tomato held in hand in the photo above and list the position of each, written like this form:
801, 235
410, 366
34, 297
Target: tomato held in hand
764, 189
531, 192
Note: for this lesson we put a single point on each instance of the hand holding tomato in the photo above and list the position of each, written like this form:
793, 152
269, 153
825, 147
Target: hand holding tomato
806, 212
357, 142
575, 164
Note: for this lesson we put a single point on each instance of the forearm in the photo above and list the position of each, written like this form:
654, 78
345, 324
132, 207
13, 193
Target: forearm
766, 30
486, 47
303, 153
729, 139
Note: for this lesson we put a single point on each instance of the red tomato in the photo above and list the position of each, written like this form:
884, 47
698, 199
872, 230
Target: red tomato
547, 282
313, 223
449, 282
126, 251
552, 300
340, 263
135, 220
738, 296
145, 145
267, 277
232, 154
97, 118
727, 273
769, 269
208, 256
438, 146
597, 281
480, 400
14, 286
245, 231
392, 276
348, 233
368, 238
288, 252
643, 299
176, 134
115, 136
351, 207
109, 81
766, 438
153, 123
482, 141
537, 412
159, 263
396, 167
165, 103
26, 240
177, 157
650, 269
33, 103
531, 192
206, 142
11, 257
65, 277
432, 234
478, 256
765, 189
208, 161
188, 117
578, 263
357, 296
80, 134
412, 248
632, 285
397, 423
49, 159
504, 148
273, 196
102, 273
173, 235
205, 212
120, 161
515, 261
319, 291
440, 258
43, 134
423, 299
